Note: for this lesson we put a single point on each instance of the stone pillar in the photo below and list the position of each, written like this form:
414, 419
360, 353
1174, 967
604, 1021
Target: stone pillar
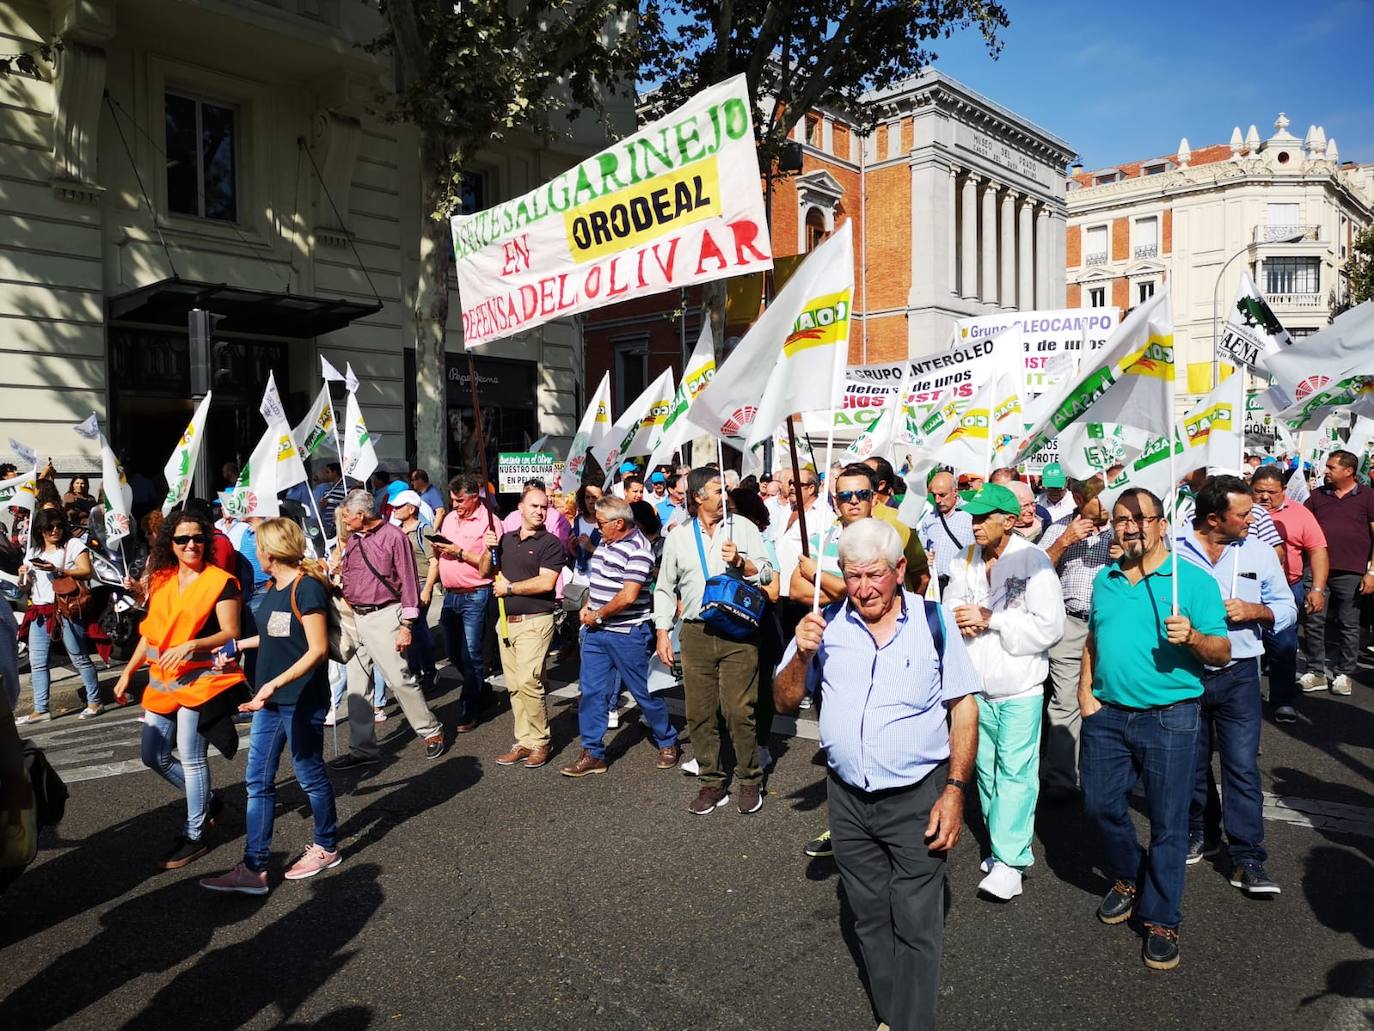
1007, 293
1042, 258
968, 239
952, 232
1025, 298
989, 289
932, 235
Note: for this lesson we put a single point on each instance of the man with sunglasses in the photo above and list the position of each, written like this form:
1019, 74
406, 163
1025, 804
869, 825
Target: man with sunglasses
854, 494
1139, 692
917, 564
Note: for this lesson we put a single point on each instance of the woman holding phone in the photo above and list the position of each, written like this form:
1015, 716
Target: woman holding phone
193, 609
58, 554
288, 708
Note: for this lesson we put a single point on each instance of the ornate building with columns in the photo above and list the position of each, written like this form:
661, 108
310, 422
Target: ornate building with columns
224, 154
1284, 209
958, 207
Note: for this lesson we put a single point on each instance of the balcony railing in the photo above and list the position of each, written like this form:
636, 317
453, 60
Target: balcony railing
1100, 258
1286, 234
1147, 250
1278, 300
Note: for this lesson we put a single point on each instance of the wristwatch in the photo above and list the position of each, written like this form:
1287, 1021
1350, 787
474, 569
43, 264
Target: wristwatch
962, 785
1317, 590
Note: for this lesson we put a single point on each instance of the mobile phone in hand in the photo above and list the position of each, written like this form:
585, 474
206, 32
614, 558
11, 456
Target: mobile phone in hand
437, 538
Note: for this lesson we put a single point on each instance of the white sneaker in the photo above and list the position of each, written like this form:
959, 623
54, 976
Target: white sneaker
613, 719
805, 703
1341, 685
765, 758
1003, 882
329, 718
690, 767
1311, 682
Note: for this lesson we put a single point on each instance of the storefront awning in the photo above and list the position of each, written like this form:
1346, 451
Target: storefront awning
166, 303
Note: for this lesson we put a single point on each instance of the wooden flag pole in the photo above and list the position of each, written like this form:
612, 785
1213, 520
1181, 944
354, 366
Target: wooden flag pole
796, 486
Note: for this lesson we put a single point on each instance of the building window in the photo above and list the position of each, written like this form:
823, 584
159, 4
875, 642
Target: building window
202, 158
815, 229
813, 130
1283, 220
1095, 246
1157, 168
1097, 297
1144, 291
631, 372
1146, 237
1292, 275
472, 193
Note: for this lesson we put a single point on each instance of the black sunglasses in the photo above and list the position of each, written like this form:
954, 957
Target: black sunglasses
190, 538
846, 496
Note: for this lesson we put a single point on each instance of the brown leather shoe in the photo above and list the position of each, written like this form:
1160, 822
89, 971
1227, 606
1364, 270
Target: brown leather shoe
466, 728
537, 757
586, 764
668, 757
516, 753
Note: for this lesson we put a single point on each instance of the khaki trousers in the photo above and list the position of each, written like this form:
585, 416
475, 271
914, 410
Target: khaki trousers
376, 638
522, 662
1059, 768
719, 674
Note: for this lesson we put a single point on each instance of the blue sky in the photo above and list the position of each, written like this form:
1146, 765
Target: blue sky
1121, 82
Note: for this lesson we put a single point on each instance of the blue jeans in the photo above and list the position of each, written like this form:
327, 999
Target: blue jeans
180, 730
609, 660
275, 726
1158, 748
1231, 717
9, 654
463, 620
40, 647
420, 654
1283, 656
378, 688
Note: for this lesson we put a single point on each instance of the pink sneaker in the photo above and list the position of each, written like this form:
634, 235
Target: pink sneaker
240, 879
312, 862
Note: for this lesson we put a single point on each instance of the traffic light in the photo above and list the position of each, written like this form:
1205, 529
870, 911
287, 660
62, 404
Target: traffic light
200, 325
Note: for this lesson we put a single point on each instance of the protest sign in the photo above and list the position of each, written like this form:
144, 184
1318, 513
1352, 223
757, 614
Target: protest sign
1045, 335
677, 203
513, 468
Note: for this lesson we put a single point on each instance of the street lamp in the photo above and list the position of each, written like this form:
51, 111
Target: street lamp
1293, 237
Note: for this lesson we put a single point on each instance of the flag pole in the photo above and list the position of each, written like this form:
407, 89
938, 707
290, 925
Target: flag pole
796, 485
836, 375
334, 425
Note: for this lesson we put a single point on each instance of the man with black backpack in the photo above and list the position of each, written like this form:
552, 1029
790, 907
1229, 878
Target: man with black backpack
898, 771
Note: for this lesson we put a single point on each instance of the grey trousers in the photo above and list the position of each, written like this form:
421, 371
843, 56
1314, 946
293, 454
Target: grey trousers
1333, 635
1059, 767
896, 888
376, 636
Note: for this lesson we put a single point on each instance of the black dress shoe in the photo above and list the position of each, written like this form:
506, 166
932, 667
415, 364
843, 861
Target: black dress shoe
1119, 903
349, 761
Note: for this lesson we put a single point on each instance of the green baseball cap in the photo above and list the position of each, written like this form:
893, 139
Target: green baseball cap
992, 497
1053, 476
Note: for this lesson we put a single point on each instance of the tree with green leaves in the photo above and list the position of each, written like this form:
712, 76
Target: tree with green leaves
1359, 270
799, 53
471, 74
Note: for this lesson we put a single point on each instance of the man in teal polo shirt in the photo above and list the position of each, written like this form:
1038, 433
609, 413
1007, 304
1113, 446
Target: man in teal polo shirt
1139, 694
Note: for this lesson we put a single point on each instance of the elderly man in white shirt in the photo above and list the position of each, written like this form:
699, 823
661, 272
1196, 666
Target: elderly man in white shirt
1004, 597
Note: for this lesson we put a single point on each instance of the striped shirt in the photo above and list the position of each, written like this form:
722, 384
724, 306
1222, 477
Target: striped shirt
883, 722
1079, 565
630, 560
1262, 526
936, 539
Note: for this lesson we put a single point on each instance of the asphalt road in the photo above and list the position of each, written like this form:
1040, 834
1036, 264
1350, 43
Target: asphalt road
475, 896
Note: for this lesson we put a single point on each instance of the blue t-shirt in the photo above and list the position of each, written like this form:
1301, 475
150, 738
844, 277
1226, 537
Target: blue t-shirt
248, 548
282, 642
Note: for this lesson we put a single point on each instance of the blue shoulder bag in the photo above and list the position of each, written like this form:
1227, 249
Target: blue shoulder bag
730, 604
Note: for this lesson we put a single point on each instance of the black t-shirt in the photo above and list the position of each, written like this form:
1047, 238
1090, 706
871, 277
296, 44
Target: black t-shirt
230, 593
281, 642
522, 560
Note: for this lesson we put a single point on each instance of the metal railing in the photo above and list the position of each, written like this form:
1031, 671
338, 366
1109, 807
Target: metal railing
1312, 300
1146, 250
1100, 258
1286, 234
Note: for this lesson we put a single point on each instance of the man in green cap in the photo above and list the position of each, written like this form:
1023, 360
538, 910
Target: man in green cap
1054, 494
1005, 599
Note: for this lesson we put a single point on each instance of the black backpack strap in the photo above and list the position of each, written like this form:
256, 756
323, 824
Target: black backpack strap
936, 621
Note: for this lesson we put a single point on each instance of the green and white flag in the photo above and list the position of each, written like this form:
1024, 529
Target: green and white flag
1129, 380
677, 430
19, 491
290, 470
255, 494
1151, 470
317, 427
1091, 448
624, 438
180, 469
591, 431
360, 453
113, 483
1214, 429
1252, 331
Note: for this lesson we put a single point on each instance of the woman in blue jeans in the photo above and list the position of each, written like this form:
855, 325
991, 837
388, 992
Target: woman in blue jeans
57, 554
288, 708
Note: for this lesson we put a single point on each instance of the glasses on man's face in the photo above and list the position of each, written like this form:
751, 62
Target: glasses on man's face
844, 497
1121, 522
198, 539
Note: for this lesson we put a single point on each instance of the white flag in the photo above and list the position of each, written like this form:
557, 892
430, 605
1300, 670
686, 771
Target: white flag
1326, 370
1214, 429
786, 362
1252, 331
290, 470
115, 485
1151, 470
88, 427
647, 435
271, 408
330, 374
317, 427
255, 494
677, 427
19, 491
1129, 380
591, 431
360, 452
25, 454
350, 380
180, 469
628, 430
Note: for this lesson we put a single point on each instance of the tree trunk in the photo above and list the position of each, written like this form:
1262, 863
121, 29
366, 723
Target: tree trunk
431, 314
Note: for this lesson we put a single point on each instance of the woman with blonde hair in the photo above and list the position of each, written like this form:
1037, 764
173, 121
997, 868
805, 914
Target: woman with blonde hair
288, 708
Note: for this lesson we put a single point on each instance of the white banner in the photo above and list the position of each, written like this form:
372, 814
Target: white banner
677, 203
1045, 335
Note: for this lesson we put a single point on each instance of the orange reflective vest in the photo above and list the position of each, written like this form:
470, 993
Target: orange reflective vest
174, 617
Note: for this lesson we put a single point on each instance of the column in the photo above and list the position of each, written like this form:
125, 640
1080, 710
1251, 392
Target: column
1042, 258
1008, 285
968, 239
932, 236
989, 290
1025, 299
953, 232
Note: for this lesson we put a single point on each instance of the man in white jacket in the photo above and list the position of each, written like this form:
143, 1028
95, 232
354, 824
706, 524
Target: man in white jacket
1005, 598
